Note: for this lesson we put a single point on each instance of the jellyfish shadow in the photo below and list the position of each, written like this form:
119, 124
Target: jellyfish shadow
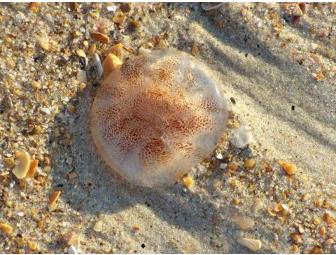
96, 189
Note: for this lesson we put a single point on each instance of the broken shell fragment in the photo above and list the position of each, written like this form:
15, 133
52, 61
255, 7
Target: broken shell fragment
32, 168
53, 198
188, 182
252, 244
289, 168
22, 166
5, 228
100, 37
242, 137
157, 116
111, 62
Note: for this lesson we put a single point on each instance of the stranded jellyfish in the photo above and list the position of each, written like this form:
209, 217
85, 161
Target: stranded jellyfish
157, 116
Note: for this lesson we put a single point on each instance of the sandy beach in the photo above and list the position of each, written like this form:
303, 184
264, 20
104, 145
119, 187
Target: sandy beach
276, 64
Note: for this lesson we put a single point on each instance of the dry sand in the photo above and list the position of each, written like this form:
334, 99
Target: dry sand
281, 76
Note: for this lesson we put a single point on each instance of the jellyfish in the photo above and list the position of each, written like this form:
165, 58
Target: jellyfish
156, 116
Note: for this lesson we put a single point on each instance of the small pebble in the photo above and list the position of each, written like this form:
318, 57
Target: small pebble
98, 226
32, 245
223, 166
71, 238
250, 163
188, 182
72, 250
112, 8
6, 228
219, 156
289, 168
45, 110
246, 153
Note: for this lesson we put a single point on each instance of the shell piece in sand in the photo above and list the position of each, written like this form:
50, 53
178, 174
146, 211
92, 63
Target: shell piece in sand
157, 116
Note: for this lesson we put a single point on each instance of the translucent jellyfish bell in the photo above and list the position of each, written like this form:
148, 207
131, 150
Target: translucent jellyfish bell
157, 116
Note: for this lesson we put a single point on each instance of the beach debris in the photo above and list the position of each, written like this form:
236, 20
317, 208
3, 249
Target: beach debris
232, 166
135, 228
125, 7
22, 164
242, 136
36, 85
331, 221
92, 49
34, 6
316, 250
99, 66
6, 228
32, 168
117, 50
293, 11
278, 209
211, 6
188, 182
53, 198
252, 244
33, 246
98, 226
9, 162
296, 238
71, 238
111, 8
295, 249
100, 37
45, 42
80, 53
195, 51
110, 63
103, 25
81, 76
236, 201
170, 129
258, 205
72, 250
289, 168
222, 166
45, 110
118, 18
219, 156
319, 75
250, 163
243, 222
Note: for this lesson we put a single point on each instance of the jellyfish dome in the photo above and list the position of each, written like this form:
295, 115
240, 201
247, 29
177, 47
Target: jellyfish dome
157, 116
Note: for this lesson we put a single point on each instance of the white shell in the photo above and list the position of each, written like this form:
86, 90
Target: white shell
242, 136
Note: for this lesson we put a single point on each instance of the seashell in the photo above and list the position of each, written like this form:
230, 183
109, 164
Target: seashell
22, 166
242, 136
158, 116
252, 244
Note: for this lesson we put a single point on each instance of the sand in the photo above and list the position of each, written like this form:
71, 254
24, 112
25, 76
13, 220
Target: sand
281, 75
